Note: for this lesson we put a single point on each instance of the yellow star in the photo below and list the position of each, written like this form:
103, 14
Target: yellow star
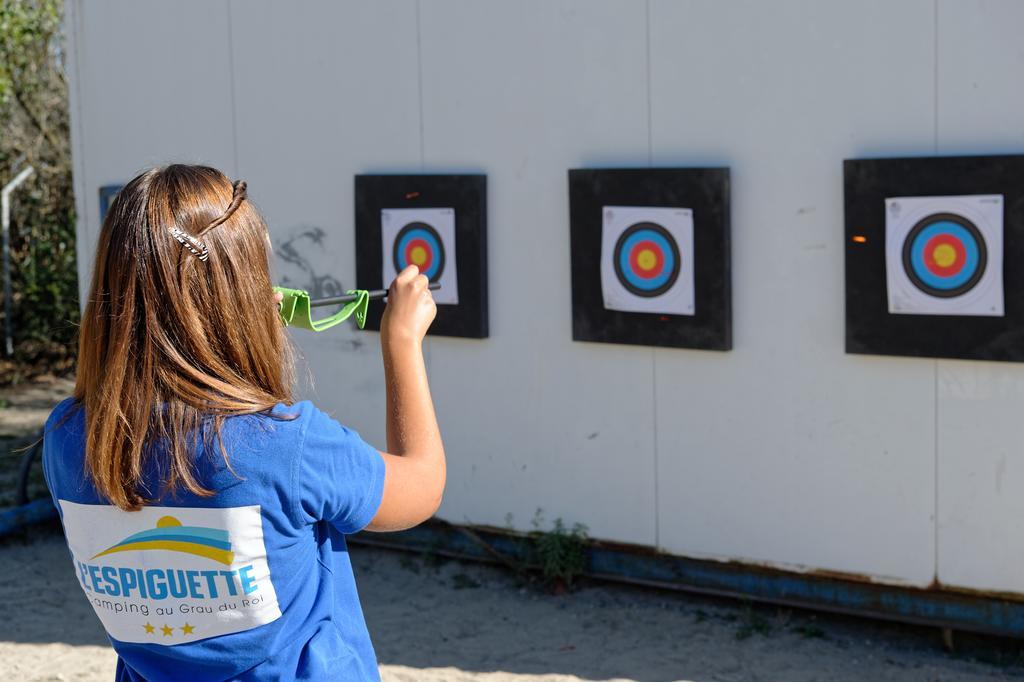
188, 629
167, 631
149, 628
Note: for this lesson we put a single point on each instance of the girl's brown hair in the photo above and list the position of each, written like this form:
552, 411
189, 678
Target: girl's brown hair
172, 343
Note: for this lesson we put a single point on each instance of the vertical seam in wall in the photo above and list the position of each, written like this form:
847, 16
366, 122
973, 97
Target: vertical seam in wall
419, 84
654, 419
935, 105
654, 351
935, 521
650, 117
231, 79
935, 76
423, 146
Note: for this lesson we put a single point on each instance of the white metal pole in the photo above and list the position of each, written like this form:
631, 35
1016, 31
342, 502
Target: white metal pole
5, 210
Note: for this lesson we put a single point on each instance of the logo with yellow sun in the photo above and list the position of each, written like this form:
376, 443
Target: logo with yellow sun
170, 536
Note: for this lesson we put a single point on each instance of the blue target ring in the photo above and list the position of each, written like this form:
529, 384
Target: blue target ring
964, 261
419, 241
646, 259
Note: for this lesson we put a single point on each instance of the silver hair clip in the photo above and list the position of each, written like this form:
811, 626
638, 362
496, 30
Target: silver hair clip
197, 248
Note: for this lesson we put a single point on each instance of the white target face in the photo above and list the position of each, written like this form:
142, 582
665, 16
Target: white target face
424, 237
944, 255
647, 260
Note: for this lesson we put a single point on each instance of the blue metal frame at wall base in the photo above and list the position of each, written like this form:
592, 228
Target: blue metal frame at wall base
968, 611
17, 518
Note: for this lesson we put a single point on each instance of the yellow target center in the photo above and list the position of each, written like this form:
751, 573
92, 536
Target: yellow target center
944, 255
647, 259
418, 255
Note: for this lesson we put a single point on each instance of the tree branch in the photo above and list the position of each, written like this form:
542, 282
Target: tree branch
19, 98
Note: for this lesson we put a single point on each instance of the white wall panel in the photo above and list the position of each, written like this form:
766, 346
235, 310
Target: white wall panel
785, 450
980, 94
151, 84
981, 432
525, 91
325, 90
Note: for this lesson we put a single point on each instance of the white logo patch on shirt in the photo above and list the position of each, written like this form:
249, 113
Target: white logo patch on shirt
171, 575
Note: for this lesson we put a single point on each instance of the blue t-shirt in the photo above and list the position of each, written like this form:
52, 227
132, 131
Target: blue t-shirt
253, 583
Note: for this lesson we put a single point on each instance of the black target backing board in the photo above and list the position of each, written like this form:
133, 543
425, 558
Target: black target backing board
467, 195
107, 194
704, 191
870, 326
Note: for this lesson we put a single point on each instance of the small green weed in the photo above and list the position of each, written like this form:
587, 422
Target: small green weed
461, 581
810, 631
752, 623
559, 552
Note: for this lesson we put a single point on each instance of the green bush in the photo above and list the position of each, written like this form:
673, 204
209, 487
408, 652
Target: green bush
34, 121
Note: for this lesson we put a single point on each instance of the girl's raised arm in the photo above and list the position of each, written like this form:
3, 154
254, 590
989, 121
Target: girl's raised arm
414, 464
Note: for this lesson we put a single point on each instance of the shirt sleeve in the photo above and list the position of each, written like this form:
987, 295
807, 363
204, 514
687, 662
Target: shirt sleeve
54, 433
339, 477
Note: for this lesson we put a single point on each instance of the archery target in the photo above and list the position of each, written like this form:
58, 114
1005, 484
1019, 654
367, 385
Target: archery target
424, 237
107, 195
944, 255
419, 244
647, 260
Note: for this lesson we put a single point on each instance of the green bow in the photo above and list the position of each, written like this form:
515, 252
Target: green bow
297, 312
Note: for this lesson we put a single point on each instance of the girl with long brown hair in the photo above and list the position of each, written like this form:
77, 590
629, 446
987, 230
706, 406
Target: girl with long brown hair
204, 508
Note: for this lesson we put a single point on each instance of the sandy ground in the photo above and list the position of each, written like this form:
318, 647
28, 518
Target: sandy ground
433, 620
24, 408
23, 411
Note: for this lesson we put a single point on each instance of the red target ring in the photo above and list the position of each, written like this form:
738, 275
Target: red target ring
647, 259
419, 253
944, 255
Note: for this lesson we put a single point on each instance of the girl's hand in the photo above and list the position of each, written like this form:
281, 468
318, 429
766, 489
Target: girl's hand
278, 297
410, 309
